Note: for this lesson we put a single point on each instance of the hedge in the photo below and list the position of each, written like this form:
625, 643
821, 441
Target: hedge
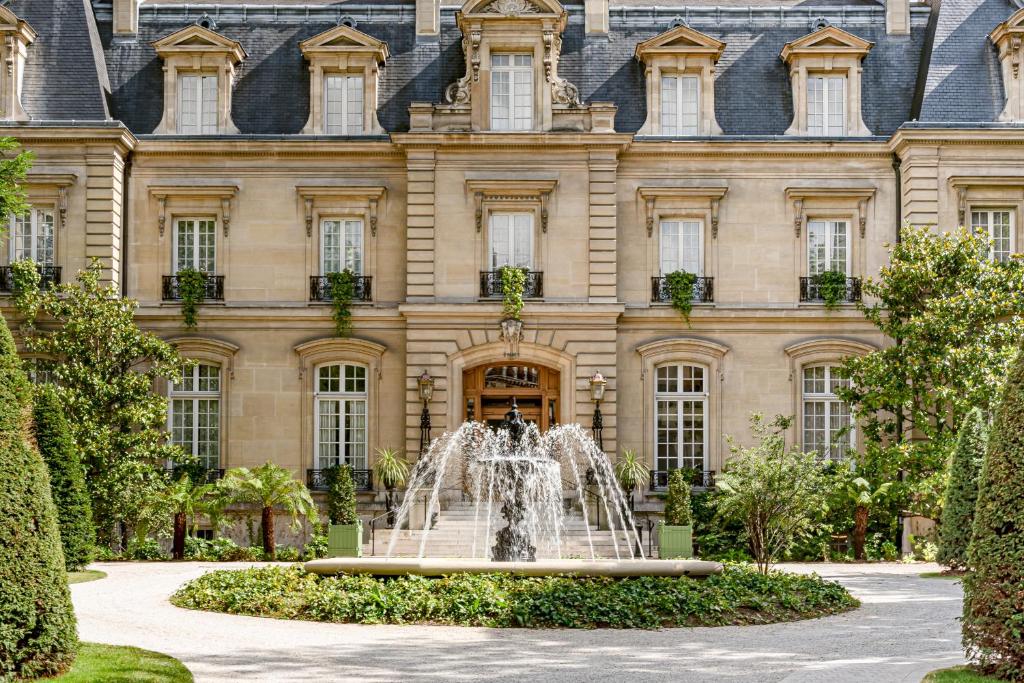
962, 493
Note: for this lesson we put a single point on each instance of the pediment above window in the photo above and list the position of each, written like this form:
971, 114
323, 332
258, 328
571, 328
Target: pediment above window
512, 8
1007, 37
344, 40
681, 40
15, 37
828, 40
198, 39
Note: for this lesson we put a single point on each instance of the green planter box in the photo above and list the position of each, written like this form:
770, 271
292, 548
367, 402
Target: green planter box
345, 540
675, 541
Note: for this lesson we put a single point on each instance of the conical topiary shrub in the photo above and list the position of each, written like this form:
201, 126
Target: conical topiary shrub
37, 624
962, 493
67, 479
993, 619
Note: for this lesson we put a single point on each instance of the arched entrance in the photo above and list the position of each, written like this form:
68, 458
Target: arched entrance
489, 389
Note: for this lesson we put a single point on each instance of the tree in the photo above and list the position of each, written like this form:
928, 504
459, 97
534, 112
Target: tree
962, 493
677, 501
187, 499
859, 491
12, 172
341, 495
993, 618
772, 491
267, 487
105, 369
37, 623
67, 479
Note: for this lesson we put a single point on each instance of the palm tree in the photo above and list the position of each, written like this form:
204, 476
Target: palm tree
269, 486
859, 491
186, 499
392, 473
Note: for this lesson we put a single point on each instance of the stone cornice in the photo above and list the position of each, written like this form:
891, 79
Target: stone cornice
116, 135
296, 146
940, 136
512, 140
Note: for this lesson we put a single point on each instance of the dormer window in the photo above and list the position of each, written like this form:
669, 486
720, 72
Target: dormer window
15, 37
824, 73
344, 69
199, 71
680, 82
511, 91
1008, 37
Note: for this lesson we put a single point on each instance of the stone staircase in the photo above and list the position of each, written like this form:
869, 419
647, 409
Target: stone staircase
452, 536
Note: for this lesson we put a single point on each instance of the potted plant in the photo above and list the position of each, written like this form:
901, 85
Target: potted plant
391, 472
345, 533
676, 532
631, 473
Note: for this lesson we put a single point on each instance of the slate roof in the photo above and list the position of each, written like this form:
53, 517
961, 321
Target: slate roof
752, 93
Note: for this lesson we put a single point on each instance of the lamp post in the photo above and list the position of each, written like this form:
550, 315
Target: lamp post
426, 387
597, 385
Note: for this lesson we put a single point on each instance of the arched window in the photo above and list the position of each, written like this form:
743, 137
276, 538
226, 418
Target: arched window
681, 410
340, 414
194, 420
827, 422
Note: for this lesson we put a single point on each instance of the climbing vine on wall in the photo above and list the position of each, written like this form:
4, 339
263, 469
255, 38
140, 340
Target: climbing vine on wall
191, 289
680, 291
343, 291
513, 286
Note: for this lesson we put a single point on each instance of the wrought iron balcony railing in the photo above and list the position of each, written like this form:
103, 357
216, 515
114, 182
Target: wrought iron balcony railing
491, 284
703, 290
703, 479
49, 276
811, 290
213, 288
316, 480
320, 288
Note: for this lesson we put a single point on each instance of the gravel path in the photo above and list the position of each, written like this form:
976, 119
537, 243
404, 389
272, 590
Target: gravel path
906, 627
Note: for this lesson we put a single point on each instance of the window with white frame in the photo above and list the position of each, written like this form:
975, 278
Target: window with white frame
197, 104
343, 105
511, 91
194, 420
195, 244
682, 247
39, 370
680, 102
31, 236
827, 421
997, 226
341, 246
681, 411
511, 240
340, 412
828, 247
826, 105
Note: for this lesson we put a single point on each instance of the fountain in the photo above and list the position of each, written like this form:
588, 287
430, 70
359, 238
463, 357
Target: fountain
522, 471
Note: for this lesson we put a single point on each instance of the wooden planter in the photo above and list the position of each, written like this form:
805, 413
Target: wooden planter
345, 540
675, 541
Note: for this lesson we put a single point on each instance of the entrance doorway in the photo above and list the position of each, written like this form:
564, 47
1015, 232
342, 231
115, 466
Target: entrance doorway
489, 390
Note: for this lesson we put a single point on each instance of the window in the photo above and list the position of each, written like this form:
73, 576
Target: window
827, 422
341, 246
997, 225
31, 237
197, 105
195, 413
828, 247
511, 237
341, 416
195, 244
826, 105
39, 370
681, 403
680, 98
511, 92
343, 105
682, 247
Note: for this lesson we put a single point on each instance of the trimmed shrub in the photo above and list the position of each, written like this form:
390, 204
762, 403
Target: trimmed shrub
67, 479
341, 495
37, 623
993, 620
962, 492
677, 501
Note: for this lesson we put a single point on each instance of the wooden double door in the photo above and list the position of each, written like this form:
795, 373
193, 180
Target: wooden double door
489, 390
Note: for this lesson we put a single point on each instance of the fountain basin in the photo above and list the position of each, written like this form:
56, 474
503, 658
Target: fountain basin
393, 566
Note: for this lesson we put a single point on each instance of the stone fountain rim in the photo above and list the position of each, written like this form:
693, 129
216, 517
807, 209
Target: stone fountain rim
397, 566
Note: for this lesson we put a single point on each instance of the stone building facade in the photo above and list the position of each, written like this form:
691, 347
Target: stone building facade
601, 145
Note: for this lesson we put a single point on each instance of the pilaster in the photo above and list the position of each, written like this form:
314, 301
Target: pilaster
420, 231
603, 165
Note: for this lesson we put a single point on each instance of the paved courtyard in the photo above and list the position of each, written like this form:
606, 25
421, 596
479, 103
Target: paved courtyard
906, 627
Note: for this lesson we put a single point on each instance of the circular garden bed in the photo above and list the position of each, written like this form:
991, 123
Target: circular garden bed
739, 595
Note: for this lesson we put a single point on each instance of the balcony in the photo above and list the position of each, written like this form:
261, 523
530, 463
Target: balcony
49, 276
700, 479
316, 480
703, 290
811, 290
214, 290
491, 286
320, 288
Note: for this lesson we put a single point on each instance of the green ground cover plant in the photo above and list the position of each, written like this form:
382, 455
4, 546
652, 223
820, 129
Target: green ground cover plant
122, 664
957, 674
85, 576
740, 595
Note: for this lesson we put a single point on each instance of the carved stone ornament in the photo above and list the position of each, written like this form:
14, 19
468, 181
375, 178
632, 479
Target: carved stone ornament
511, 8
562, 91
459, 91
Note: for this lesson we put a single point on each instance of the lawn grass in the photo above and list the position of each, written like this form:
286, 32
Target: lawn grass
941, 575
86, 575
121, 664
957, 674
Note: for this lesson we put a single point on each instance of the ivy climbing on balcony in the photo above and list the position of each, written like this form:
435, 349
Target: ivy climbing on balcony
513, 286
680, 292
343, 291
191, 289
831, 287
